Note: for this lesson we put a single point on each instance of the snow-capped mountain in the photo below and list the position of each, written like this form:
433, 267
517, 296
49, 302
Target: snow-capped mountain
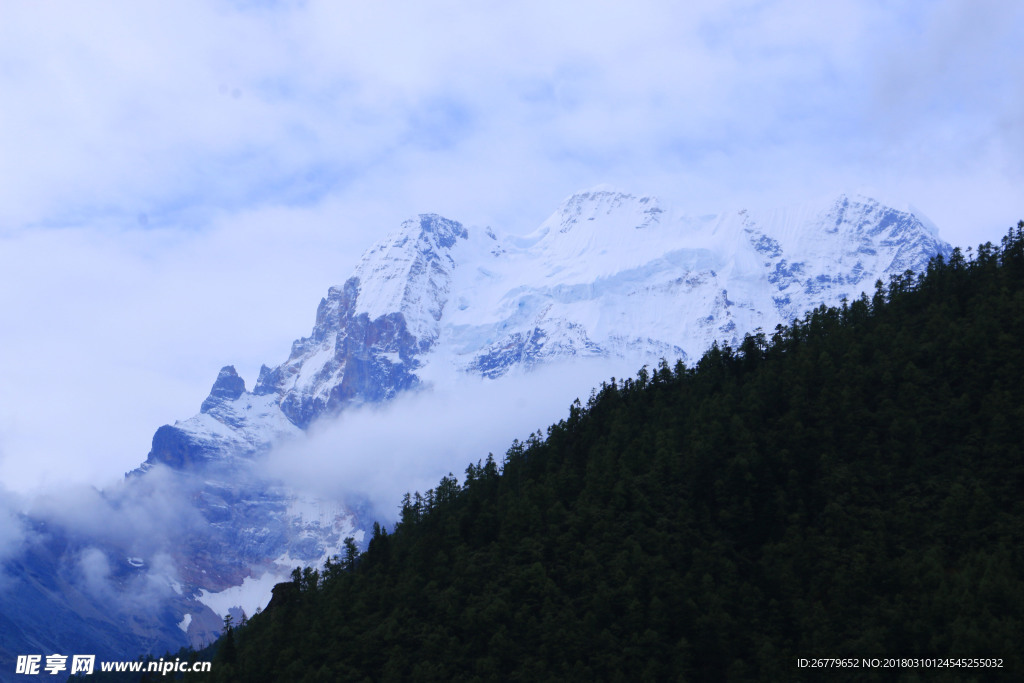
608, 275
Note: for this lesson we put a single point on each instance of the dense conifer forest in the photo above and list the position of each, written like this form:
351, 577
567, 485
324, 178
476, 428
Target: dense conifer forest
847, 486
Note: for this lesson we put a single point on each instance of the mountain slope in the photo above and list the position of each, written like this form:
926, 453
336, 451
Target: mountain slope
848, 487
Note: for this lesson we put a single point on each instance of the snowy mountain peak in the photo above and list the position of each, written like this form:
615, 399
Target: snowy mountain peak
440, 230
606, 209
370, 330
228, 387
607, 274
868, 224
409, 272
810, 252
596, 233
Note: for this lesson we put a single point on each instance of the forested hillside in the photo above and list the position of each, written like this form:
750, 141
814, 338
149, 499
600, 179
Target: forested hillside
848, 486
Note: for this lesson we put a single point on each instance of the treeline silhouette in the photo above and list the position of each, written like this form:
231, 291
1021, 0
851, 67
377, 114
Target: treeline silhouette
849, 486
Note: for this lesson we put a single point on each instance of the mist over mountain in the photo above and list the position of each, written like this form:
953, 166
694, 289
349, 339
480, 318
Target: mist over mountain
442, 330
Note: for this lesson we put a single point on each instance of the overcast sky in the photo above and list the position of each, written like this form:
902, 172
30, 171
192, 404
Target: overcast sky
181, 182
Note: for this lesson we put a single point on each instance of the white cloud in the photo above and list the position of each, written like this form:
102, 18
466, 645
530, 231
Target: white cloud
140, 592
151, 517
181, 182
110, 333
378, 453
123, 537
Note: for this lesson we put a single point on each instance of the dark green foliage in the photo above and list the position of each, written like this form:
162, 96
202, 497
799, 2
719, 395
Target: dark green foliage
227, 653
849, 487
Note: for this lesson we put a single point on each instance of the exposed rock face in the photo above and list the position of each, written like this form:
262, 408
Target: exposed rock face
175, 447
228, 387
348, 358
367, 342
231, 423
557, 339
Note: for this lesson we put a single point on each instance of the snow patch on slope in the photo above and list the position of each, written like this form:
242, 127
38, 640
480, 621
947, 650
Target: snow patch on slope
250, 595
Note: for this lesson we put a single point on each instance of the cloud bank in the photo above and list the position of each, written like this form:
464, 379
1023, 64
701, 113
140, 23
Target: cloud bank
182, 181
375, 454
